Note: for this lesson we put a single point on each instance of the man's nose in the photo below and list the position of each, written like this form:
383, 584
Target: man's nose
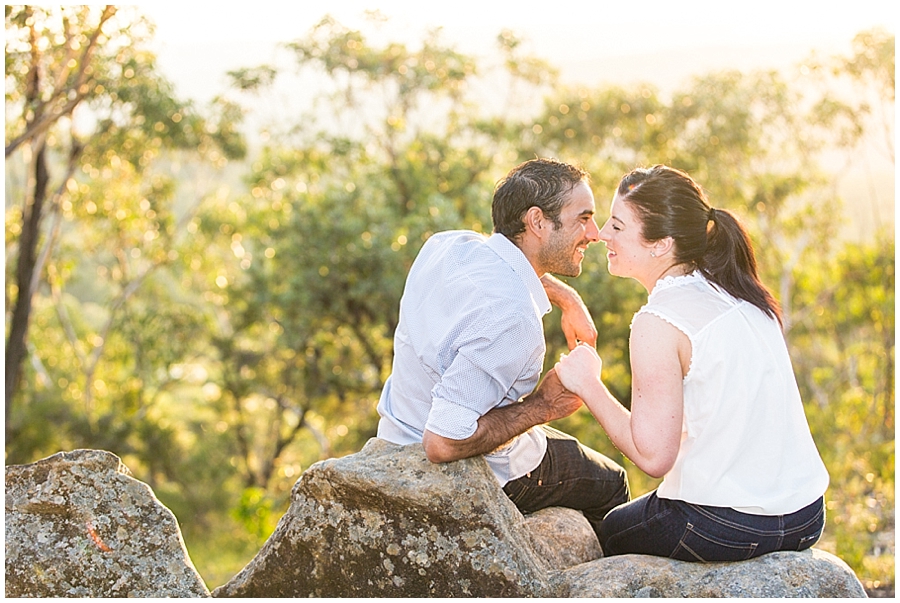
593, 232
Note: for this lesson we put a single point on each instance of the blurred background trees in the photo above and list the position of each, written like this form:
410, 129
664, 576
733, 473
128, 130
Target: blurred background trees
222, 318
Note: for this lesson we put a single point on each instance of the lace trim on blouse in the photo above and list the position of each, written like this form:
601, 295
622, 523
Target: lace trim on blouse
676, 280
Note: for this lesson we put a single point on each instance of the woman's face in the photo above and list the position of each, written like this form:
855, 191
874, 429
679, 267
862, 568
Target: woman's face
627, 253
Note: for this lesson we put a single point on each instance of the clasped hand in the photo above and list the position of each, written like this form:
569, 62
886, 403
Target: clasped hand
579, 370
557, 401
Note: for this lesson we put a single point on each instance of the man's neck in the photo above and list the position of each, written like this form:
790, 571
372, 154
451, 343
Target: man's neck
529, 248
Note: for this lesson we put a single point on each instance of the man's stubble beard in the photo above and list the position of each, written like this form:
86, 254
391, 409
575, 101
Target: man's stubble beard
557, 257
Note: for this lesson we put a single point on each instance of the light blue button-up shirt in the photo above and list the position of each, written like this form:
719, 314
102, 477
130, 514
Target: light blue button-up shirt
470, 338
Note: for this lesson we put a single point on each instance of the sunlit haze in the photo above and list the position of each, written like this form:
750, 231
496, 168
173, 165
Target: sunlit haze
596, 44
590, 42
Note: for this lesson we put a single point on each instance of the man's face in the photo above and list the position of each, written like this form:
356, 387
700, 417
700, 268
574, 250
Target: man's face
564, 250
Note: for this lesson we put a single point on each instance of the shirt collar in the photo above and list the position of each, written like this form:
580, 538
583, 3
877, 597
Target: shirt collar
513, 256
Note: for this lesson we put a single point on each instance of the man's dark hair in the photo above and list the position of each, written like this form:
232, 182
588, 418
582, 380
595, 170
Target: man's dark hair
543, 183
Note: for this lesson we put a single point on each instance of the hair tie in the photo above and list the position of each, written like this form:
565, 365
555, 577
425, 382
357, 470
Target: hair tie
711, 214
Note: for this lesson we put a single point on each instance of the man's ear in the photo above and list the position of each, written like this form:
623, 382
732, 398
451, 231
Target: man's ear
535, 221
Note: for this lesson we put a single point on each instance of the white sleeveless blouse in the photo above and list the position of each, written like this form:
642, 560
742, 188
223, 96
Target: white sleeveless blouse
745, 440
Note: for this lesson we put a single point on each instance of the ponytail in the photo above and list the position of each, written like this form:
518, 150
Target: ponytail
671, 204
730, 263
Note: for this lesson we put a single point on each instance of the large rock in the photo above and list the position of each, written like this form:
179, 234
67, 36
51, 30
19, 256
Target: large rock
562, 537
809, 574
386, 522
77, 525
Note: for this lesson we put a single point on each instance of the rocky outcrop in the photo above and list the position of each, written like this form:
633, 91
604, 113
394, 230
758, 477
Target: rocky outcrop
382, 522
77, 525
808, 574
386, 522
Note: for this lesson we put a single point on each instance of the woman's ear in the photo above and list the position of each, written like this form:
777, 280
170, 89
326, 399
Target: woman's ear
663, 246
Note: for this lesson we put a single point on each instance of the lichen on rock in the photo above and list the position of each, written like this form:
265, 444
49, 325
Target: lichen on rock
78, 525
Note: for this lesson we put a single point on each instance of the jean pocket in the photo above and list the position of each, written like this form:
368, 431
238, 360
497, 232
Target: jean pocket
808, 541
514, 490
696, 545
519, 487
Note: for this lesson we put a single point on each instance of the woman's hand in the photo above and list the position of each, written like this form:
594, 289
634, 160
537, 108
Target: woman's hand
579, 370
578, 326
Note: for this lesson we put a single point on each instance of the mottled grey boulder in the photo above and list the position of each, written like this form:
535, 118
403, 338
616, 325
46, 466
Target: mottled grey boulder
386, 522
77, 525
562, 537
810, 574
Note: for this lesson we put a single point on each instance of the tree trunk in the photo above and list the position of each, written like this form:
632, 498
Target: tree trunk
16, 349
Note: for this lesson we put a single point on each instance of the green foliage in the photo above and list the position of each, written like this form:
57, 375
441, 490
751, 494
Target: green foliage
255, 512
304, 342
223, 340
873, 58
844, 359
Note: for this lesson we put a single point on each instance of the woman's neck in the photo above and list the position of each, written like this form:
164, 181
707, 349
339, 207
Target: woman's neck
673, 271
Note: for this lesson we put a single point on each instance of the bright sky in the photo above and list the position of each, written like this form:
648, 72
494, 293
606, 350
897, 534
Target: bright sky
592, 41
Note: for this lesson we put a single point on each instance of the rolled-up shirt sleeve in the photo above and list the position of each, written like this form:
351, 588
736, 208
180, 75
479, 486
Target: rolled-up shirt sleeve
491, 367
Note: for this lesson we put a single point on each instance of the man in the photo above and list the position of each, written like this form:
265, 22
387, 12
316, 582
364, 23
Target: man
469, 347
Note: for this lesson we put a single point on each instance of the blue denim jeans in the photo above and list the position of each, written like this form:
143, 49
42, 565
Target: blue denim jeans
571, 475
650, 525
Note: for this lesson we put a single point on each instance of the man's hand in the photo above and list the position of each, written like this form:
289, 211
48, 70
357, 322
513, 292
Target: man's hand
555, 400
577, 323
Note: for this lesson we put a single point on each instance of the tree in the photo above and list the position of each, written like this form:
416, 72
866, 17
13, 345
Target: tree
871, 72
43, 102
307, 339
84, 97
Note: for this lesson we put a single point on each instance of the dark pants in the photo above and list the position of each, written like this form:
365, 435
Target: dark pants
650, 525
571, 475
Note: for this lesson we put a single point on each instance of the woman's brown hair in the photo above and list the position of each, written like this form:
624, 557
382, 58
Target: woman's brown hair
671, 204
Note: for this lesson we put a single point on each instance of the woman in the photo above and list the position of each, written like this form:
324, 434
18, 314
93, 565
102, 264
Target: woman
715, 406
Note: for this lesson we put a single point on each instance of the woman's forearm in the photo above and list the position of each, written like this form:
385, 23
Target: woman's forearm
617, 422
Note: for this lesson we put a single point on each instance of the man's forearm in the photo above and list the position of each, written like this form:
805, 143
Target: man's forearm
559, 293
495, 428
550, 401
